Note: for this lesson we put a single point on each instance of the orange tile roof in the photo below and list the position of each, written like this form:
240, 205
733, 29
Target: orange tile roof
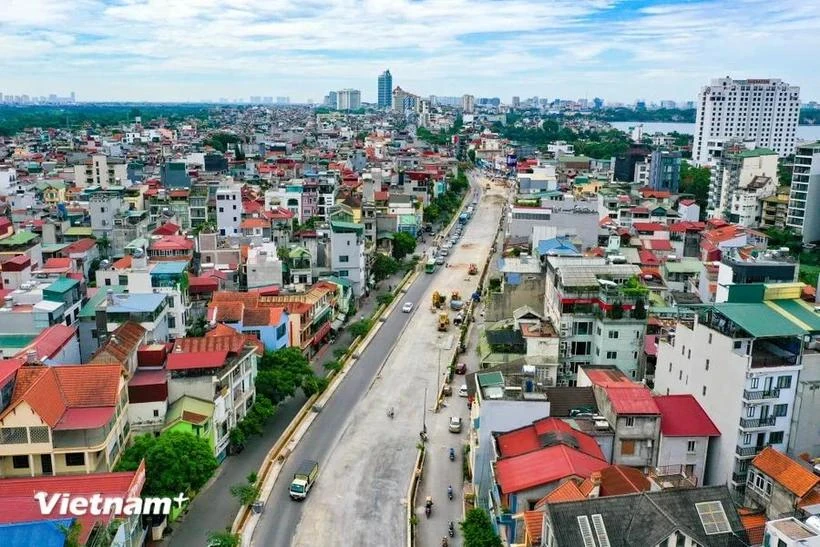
812, 498
122, 264
754, 524
787, 472
123, 341
221, 329
568, 491
533, 521
230, 312
51, 391
230, 344
620, 479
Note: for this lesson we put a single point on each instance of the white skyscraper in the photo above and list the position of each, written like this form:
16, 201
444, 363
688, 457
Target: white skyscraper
765, 111
468, 104
349, 99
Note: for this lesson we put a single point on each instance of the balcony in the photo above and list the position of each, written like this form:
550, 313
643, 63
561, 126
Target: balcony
748, 451
759, 395
753, 423
740, 478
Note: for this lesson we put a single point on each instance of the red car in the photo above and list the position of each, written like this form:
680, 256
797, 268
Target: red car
461, 368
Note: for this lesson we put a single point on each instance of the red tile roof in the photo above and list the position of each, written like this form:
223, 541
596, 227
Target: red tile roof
124, 341
649, 226
250, 207
123, 263
658, 244
262, 317
532, 522
167, 229
686, 202
650, 345
545, 432
50, 341
544, 466
648, 258
682, 416
568, 491
754, 524
788, 473
51, 391
196, 359
250, 223
230, 344
80, 246
172, 243
85, 418
9, 367
632, 400
57, 263
617, 480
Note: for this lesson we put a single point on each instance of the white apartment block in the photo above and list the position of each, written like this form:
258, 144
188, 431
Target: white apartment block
347, 258
765, 110
642, 169
228, 209
738, 172
804, 212
264, 268
348, 99
742, 362
579, 299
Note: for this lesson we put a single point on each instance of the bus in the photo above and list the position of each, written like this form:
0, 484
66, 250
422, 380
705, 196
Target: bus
430, 267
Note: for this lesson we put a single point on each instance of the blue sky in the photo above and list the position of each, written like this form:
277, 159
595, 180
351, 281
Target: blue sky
205, 49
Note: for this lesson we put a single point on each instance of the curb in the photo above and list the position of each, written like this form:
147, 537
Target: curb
246, 520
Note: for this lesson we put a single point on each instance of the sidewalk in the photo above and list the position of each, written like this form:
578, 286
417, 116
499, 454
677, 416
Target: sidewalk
214, 508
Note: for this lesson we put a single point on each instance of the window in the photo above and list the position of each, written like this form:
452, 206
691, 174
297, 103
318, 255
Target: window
670, 366
690, 446
710, 337
612, 355
754, 383
784, 382
630, 421
19, 462
750, 412
680, 375
156, 413
613, 334
775, 437
75, 458
689, 354
628, 448
747, 438
713, 517
707, 364
344, 258
583, 327
704, 391
737, 344
780, 410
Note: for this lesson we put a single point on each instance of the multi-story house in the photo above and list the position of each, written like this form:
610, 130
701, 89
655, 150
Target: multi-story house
63, 420
228, 209
780, 486
630, 410
600, 312
775, 209
347, 258
263, 267
101, 171
103, 207
741, 360
217, 369
804, 217
739, 268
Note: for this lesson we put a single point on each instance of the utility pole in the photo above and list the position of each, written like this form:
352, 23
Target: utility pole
424, 413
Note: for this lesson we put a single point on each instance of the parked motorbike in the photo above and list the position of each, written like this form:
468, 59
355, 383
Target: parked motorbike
390, 413
452, 455
451, 529
450, 492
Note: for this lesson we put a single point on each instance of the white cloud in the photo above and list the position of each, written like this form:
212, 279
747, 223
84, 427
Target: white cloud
197, 49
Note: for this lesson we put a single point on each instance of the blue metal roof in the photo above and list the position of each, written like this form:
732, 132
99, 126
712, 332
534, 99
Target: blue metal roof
44, 533
136, 303
561, 246
169, 268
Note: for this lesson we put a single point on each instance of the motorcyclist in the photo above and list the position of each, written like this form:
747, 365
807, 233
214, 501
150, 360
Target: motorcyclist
452, 454
450, 491
444, 542
451, 529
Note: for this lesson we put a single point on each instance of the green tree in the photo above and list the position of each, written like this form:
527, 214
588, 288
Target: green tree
104, 245
695, 180
198, 328
384, 298
471, 155
72, 533
247, 492
223, 539
478, 531
784, 238
360, 328
174, 462
403, 245
785, 167
384, 266
281, 373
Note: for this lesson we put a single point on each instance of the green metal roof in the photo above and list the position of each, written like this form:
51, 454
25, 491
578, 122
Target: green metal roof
757, 152
799, 312
18, 238
566, 159
338, 281
79, 231
687, 265
62, 284
760, 320
340, 226
486, 379
89, 310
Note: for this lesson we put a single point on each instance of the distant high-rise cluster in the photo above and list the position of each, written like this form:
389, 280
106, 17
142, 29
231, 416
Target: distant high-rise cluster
348, 99
765, 111
385, 90
34, 99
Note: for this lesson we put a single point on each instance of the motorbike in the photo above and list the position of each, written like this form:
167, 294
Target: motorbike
428, 507
444, 542
452, 455
451, 529
450, 492
390, 413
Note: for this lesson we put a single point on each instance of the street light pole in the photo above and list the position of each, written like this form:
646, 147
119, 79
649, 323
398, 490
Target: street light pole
424, 413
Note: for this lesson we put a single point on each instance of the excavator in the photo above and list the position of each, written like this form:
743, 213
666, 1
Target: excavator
438, 300
443, 321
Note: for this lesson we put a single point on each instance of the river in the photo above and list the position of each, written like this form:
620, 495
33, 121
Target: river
804, 132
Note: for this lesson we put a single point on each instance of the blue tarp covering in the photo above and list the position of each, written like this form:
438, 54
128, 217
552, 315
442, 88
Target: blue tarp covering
44, 533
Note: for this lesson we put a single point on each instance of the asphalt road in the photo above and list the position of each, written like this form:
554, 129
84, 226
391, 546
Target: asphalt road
359, 498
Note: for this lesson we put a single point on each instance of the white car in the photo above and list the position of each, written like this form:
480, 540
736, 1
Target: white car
455, 424
407, 307
462, 391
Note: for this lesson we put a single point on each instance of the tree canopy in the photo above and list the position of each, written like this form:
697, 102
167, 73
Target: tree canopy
403, 245
281, 373
695, 180
478, 530
175, 462
384, 266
